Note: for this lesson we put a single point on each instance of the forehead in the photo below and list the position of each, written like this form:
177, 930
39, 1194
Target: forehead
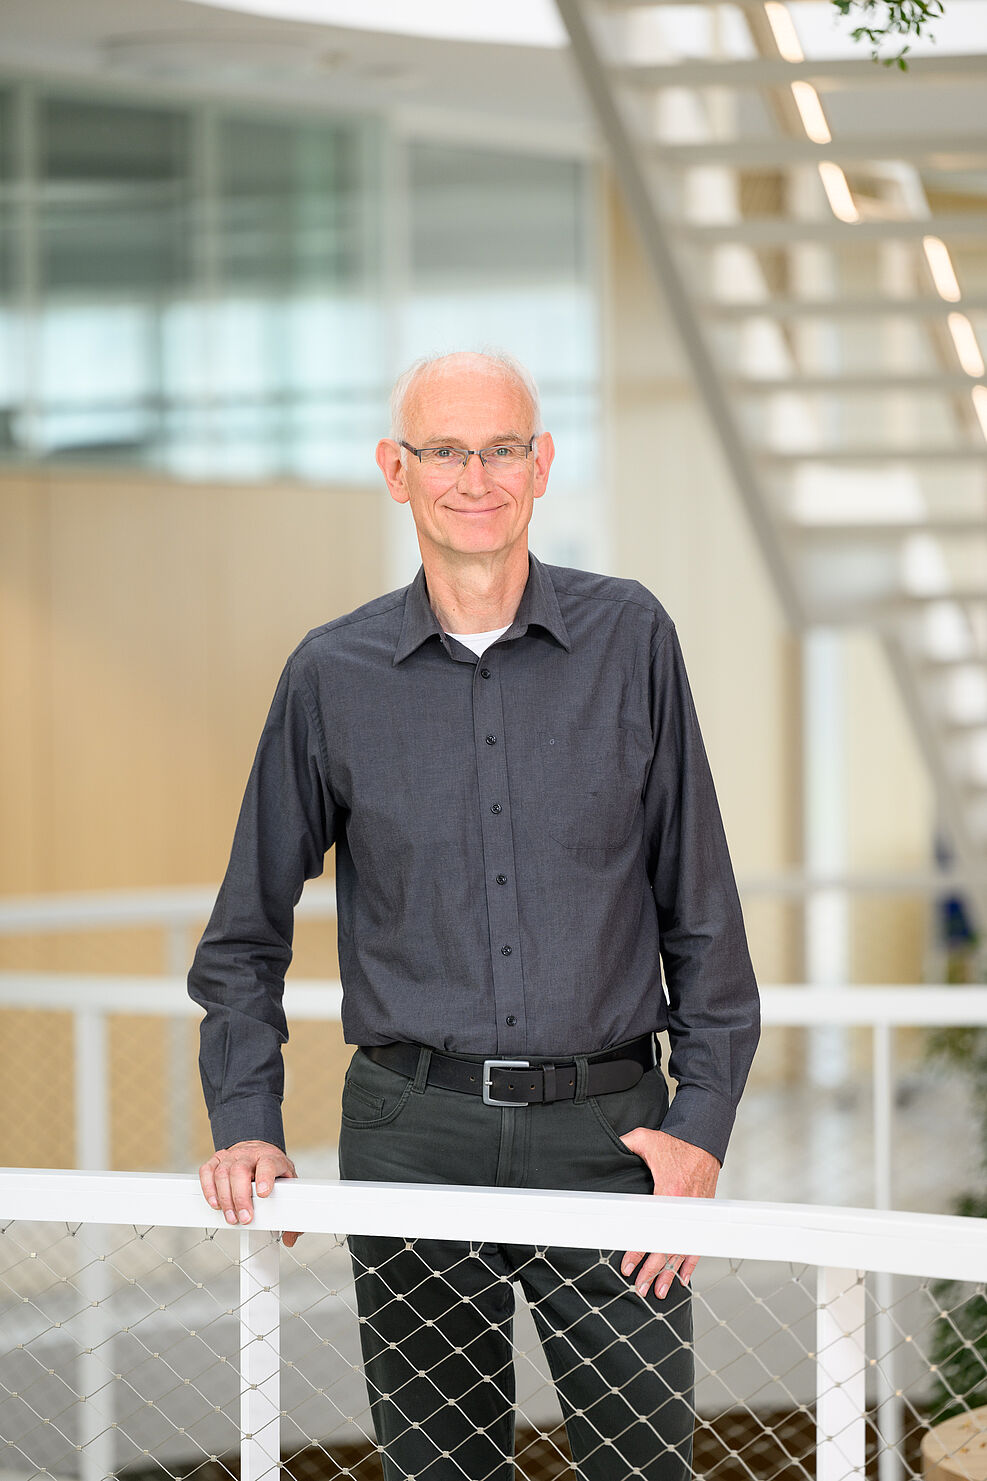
473, 404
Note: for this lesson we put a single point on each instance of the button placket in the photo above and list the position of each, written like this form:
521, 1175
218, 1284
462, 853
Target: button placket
496, 826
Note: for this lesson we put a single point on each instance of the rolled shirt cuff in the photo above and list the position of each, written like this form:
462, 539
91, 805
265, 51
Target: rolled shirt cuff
248, 1119
702, 1117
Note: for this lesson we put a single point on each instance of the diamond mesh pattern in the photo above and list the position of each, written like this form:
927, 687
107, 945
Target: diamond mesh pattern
121, 1356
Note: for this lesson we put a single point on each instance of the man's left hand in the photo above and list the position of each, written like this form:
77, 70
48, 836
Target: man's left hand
679, 1170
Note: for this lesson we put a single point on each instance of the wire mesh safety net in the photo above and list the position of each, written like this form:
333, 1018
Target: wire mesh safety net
121, 1356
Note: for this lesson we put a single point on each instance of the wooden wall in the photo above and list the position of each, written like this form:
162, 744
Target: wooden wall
143, 626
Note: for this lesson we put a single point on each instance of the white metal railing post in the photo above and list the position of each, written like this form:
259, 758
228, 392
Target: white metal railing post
883, 1068
841, 1369
890, 1465
92, 1153
176, 965
94, 1359
92, 1090
260, 1355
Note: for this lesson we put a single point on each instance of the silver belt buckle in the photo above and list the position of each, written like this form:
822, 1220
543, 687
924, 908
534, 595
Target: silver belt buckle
502, 1064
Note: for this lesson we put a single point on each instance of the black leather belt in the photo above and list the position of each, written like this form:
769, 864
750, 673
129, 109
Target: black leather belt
515, 1082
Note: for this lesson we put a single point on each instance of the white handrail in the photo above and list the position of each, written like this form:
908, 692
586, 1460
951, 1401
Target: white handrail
841, 1243
156, 995
90, 910
894, 1005
184, 905
937, 1245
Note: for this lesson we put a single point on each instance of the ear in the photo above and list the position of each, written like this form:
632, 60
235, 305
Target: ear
544, 453
390, 464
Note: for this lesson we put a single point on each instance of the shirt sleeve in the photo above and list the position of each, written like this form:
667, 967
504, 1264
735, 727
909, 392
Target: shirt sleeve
713, 1011
285, 827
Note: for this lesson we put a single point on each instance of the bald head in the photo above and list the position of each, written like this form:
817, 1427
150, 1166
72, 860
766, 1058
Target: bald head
464, 366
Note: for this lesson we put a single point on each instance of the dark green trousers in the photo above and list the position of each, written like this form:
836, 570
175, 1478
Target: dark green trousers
436, 1315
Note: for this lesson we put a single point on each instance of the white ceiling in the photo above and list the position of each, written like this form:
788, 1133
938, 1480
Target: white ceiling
524, 22
523, 93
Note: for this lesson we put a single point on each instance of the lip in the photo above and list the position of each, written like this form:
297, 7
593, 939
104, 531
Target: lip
475, 513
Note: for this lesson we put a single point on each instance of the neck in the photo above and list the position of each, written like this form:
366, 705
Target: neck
476, 593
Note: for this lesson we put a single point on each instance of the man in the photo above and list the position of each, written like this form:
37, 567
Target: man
507, 758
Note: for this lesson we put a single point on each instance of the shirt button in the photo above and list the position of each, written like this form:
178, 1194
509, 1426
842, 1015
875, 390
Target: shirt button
511, 1020
484, 673
491, 740
496, 807
505, 950
501, 878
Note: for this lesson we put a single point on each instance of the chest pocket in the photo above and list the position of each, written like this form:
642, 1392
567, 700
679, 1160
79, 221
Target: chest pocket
588, 786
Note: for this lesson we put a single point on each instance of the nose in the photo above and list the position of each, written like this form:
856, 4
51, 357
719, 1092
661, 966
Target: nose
473, 478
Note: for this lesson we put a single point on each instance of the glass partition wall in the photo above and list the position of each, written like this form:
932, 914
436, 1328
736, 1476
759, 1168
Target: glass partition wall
212, 292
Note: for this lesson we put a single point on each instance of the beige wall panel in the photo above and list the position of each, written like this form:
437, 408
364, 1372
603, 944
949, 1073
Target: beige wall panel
24, 688
680, 529
143, 626
173, 609
890, 817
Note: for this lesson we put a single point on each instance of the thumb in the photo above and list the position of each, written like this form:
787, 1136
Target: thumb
635, 1141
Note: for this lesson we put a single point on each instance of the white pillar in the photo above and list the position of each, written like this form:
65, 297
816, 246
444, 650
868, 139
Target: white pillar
94, 1361
179, 1079
827, 911
841, 1368
260, 1356
92, 1091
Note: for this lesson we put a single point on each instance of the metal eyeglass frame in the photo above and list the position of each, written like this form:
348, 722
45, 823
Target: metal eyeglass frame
468, 452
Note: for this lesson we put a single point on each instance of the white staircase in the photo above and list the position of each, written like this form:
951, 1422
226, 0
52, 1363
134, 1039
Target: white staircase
818, 229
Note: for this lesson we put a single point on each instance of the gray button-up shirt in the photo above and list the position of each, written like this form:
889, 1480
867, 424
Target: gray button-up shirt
522, 840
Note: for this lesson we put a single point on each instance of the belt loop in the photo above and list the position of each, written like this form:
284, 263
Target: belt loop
548, 1083
421, 1074
582, 1077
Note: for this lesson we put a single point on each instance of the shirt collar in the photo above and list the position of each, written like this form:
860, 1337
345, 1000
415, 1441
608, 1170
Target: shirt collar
539, 606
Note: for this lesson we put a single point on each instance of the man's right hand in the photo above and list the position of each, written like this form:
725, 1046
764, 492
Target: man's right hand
227, 1176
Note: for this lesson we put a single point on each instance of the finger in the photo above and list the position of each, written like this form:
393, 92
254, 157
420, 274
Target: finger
631, 1261
686, 1269
224, 1193
664, 1282
240, 1180
647, 1273
207, 1182
268, 1168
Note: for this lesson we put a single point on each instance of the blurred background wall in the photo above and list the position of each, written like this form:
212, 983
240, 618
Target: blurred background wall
207, 285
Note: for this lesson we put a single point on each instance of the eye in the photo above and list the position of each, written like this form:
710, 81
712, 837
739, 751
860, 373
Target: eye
504, 452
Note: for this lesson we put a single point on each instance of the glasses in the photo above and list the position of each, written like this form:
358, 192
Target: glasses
450, 459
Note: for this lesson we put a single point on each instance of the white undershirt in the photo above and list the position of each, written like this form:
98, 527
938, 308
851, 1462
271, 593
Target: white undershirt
479, 642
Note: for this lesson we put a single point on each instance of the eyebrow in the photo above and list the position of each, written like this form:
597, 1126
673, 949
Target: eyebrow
457, 441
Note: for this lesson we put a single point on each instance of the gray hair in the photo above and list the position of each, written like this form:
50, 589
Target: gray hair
497, 361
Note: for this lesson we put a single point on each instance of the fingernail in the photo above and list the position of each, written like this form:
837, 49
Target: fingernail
214, 1203
642, 1289
230, 1216
263, 1189
244, 1216
626, 1268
